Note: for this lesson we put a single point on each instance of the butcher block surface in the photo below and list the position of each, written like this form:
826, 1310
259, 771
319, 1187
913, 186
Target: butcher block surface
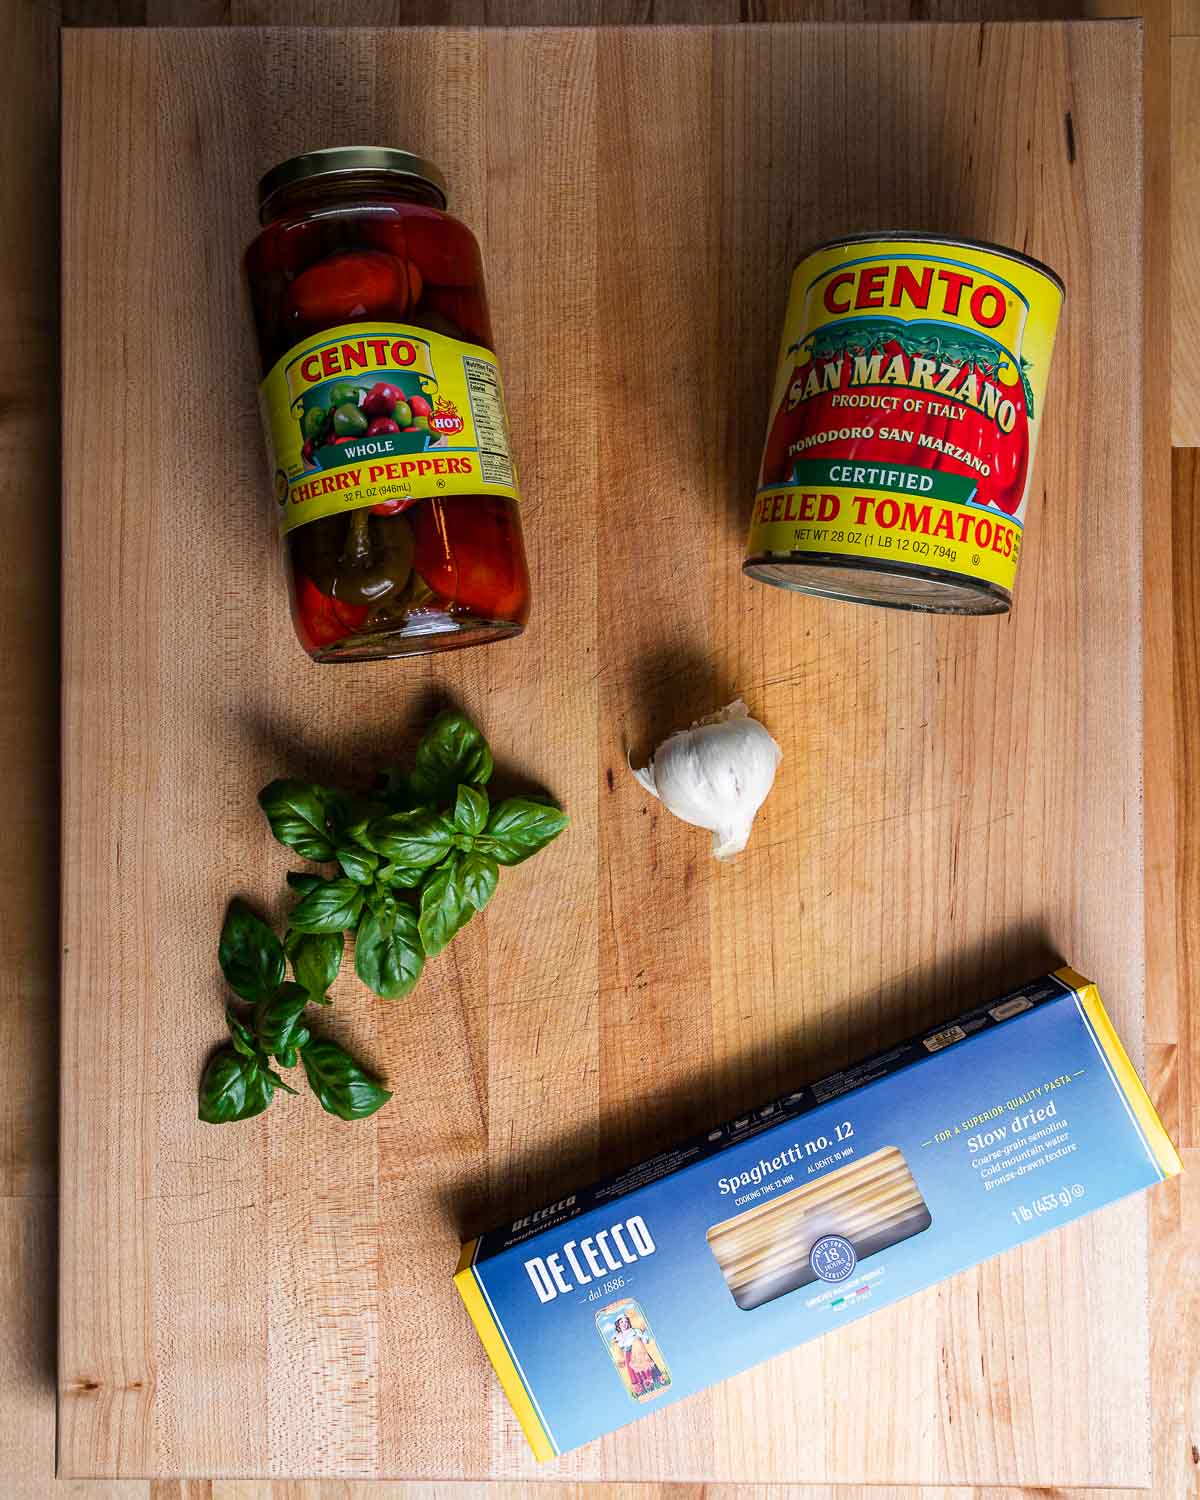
959, 803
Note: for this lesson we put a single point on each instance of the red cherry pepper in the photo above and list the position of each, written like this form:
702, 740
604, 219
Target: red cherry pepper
464, 307
320, 619
443, 250
288, 248
359, 284
392, 507
381, 424
382, 399
419, 406
385, 232
464, 553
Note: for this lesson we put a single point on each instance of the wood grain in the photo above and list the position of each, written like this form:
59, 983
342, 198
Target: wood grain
1185, 240
1185, 17
1167, 983
327, 1488
28, 734
1183, 1091
554, 12
169, 1369
1166, 996
332, 1489
26, 1409
29, 478
27, 1415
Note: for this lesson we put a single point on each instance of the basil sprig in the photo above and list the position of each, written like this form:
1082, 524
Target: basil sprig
415, 861
410, 866
239, 1081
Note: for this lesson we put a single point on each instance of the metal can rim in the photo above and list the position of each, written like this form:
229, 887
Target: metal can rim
925, 237
347, 161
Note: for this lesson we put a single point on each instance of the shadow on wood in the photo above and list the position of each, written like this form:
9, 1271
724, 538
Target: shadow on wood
951, 986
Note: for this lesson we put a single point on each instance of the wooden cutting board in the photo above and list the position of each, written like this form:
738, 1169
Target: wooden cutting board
959, 802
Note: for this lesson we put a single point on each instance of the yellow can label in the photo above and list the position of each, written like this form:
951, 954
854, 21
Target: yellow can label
384, 414
906, 407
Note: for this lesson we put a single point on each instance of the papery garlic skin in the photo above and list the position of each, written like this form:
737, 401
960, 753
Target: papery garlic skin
715, 775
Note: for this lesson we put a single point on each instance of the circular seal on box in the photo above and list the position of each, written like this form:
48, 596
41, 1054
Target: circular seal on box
832, 1258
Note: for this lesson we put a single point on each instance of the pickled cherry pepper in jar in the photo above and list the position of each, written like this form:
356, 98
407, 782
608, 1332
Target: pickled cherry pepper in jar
384, 410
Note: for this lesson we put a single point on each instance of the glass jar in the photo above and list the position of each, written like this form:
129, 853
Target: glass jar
384, 410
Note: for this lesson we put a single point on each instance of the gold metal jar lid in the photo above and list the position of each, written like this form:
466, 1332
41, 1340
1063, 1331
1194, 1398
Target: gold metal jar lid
348, 161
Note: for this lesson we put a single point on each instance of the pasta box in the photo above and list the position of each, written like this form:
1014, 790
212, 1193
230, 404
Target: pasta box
841, 1197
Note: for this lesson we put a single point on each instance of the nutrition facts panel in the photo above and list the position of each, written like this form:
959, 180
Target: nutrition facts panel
487, 412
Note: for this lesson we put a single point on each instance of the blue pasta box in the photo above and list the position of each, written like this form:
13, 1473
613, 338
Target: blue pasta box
817, 1208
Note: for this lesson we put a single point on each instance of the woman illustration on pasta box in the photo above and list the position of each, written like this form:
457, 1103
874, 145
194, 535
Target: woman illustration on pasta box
631, 1344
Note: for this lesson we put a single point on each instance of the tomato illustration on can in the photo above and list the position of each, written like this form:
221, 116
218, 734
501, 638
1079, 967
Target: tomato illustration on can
904, 423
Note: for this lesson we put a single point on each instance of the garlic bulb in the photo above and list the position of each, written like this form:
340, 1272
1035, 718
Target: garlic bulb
715, 775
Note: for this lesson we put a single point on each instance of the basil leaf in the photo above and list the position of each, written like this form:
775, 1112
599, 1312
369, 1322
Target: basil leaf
344, 1088
353, 817
416, 839
250, 954
332, 906
387, 954
232, 1088
296, 813
444, 907
316, 958
470, 809
519, 827
275, 1081
357, 864
383, 903
289, 1056
478, 874
278, 1019
452, 752
399, 875
243, 1037
301, 881
399, 792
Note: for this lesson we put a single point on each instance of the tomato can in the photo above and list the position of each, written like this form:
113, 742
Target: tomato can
904, 421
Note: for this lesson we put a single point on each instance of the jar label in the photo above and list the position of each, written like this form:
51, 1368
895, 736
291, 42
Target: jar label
383, 414
906, 408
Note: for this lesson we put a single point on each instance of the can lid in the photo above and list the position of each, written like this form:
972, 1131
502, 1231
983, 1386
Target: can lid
346, 161
922, 236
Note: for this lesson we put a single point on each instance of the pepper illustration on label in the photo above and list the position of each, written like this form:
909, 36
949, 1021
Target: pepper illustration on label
904, 424
380, 415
